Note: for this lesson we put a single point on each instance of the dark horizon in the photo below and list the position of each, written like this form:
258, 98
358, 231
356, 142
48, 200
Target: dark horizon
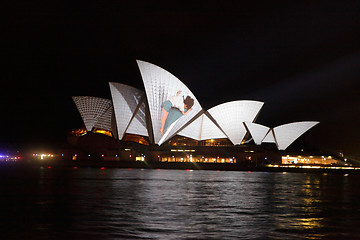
301, 59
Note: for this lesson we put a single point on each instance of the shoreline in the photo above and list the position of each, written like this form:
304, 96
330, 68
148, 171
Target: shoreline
63, 164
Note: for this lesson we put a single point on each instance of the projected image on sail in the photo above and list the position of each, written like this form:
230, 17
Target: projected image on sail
171, 103
174, 108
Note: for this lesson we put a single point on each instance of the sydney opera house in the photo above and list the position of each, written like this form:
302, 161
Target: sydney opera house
167, 123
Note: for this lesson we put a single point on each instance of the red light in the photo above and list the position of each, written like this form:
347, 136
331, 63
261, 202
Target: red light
158, 169
49, 166
249, 171
75, 167
130, 168
102, 168
187, 169
102, 155
158, 156
218, 170
130, 155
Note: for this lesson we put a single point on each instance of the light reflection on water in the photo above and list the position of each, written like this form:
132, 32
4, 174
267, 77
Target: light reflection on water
175, 204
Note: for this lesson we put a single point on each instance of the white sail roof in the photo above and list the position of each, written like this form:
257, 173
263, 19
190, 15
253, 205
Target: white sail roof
138, 124
129, 109
286, 134
231, 115
161, 86
269, 138
94, 111
202, 128
257, 131
105, 121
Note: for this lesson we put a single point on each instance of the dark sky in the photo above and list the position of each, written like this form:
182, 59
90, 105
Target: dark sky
301, 58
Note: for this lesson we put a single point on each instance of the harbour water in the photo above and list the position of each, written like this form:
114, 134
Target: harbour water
94, 203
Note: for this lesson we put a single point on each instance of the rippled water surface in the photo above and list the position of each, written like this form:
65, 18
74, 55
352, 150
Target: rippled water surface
89, 203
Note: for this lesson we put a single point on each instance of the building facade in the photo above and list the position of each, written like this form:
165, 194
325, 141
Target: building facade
169, 121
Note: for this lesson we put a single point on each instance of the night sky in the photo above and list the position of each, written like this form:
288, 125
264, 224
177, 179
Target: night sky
301, 58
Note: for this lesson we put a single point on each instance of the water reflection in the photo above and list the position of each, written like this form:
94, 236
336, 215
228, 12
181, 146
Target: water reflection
173, 204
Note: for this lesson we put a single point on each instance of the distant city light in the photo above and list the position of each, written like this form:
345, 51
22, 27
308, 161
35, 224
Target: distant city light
41, 156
